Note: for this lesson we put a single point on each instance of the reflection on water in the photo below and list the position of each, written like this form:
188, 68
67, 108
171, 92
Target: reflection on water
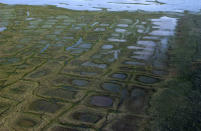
116, 5
2, 29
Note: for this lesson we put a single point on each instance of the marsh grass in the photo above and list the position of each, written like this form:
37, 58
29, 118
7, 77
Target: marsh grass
176, 105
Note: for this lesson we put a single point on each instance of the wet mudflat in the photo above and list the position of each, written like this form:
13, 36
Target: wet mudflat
71, 70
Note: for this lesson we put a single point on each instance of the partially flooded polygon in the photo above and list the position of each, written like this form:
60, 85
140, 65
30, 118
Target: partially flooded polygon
84, 115
101, 101
45, 106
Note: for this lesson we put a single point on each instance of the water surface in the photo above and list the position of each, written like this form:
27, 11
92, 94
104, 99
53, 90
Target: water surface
116, 5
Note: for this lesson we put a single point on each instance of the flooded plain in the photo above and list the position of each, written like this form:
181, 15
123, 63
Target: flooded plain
116, 5
68, 70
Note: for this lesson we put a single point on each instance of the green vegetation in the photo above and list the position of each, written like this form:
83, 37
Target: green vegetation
177, 104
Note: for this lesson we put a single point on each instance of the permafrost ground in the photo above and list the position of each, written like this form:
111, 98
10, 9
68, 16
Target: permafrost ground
63, 70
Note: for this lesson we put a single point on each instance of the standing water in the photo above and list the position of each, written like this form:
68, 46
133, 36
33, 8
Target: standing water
89, 65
